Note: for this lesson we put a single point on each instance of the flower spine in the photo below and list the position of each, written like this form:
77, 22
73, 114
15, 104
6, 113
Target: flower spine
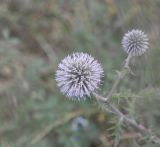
135, 42
78, 75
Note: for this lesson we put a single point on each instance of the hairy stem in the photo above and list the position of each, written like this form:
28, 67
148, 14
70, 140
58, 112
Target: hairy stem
130, 121
120, 75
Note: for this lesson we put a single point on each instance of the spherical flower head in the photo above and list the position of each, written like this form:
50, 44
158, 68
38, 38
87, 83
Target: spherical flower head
135, 42
78, 75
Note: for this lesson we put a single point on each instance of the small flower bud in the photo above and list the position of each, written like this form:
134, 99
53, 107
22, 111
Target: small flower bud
135, 42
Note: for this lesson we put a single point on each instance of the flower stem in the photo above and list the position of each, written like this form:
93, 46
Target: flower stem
130, 121
120, 75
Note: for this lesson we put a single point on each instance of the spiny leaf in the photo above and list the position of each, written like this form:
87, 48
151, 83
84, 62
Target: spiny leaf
117, 133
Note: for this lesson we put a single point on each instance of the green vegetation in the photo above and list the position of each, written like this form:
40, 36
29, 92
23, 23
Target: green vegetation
36, 34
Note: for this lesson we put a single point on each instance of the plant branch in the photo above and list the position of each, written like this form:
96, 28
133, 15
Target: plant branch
130, 121
111, 107
120, 75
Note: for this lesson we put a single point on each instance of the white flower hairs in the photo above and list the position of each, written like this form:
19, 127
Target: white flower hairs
135, 42
79, 75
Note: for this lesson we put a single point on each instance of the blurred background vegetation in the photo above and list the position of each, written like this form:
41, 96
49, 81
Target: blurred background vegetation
36, 34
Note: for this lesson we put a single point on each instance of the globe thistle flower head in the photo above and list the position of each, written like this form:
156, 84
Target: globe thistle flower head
78, 75
135, 42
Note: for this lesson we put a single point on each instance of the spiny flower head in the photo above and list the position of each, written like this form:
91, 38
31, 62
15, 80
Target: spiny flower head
135, 42
78, 75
